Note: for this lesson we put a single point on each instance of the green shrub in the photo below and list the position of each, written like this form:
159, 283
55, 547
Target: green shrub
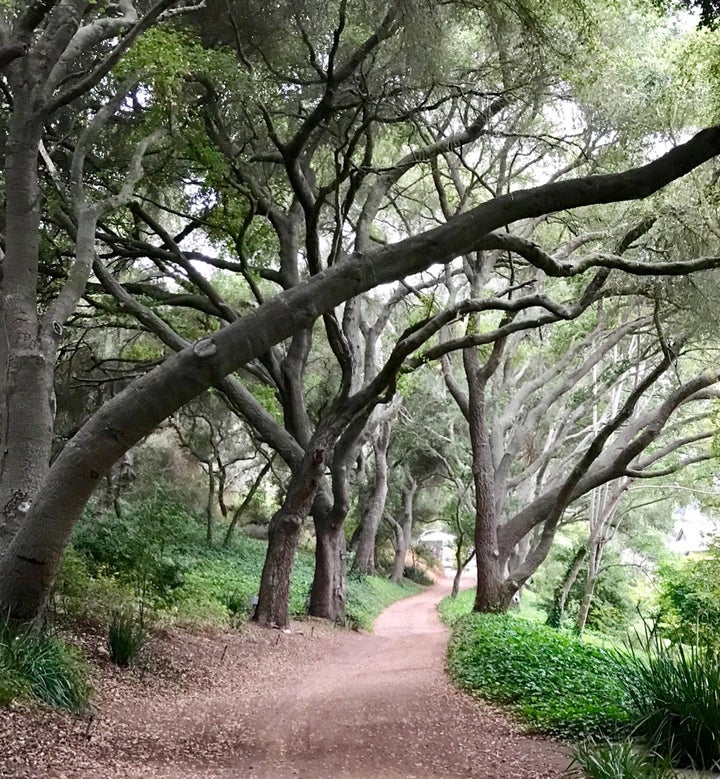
453, 609
80, 595
417, 575
127, 635
675, 694
605, 760
145, 549
558, 682
689, 600
158, 552
41, 667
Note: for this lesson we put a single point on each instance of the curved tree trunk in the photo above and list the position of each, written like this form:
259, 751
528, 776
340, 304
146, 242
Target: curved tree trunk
460, 566
593, 571
246, 500
561, 593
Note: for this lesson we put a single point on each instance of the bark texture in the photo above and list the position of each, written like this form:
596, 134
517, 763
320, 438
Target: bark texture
364, 561
284, 533
327, 597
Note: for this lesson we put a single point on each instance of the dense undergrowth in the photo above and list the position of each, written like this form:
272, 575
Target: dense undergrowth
641, 707
559, 683
149, 568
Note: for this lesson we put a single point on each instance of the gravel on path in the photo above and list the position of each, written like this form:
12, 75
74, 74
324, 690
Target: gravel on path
316, 703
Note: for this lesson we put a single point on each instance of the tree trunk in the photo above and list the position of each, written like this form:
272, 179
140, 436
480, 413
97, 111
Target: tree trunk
456, 583
246, 500
459, 568
593, 571
327, 597
404, 537
365, 544
491, 594
560, 596
285, 526
26, 371
210, 505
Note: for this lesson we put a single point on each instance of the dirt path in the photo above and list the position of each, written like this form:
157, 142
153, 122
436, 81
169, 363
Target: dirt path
316, 704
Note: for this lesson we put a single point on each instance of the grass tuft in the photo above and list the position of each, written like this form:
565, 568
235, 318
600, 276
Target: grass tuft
675, 693
38, 666
127, 636
623, 760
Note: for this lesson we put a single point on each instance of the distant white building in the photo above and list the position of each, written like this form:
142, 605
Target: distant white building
693, 531
441, 545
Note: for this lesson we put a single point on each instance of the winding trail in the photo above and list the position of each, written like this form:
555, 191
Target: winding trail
317, 704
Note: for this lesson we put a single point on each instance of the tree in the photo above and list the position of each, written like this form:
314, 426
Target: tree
29, 564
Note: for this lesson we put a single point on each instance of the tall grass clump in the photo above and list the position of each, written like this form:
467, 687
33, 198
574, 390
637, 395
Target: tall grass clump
41, 667
675, 693
622, 760
127, 635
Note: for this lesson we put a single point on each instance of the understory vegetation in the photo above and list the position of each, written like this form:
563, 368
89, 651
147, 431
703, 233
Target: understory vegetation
558, 682
40, 667
150, 567
640, 708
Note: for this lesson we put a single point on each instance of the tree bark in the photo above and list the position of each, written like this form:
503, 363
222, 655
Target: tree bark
364, 561
491, 595
327, 597
285, 527
404, 534
27, 353
590, 581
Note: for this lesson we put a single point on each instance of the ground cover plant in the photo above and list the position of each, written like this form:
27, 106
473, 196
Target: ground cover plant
665, 697
561, 684
156, 555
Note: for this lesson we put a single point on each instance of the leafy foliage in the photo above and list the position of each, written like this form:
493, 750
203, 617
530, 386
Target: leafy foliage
145, 549
417, 575
675, 694
40, 667
157, 554
540, 671
667, 696
689, 600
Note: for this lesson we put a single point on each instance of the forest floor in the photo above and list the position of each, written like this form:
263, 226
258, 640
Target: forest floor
315, 703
